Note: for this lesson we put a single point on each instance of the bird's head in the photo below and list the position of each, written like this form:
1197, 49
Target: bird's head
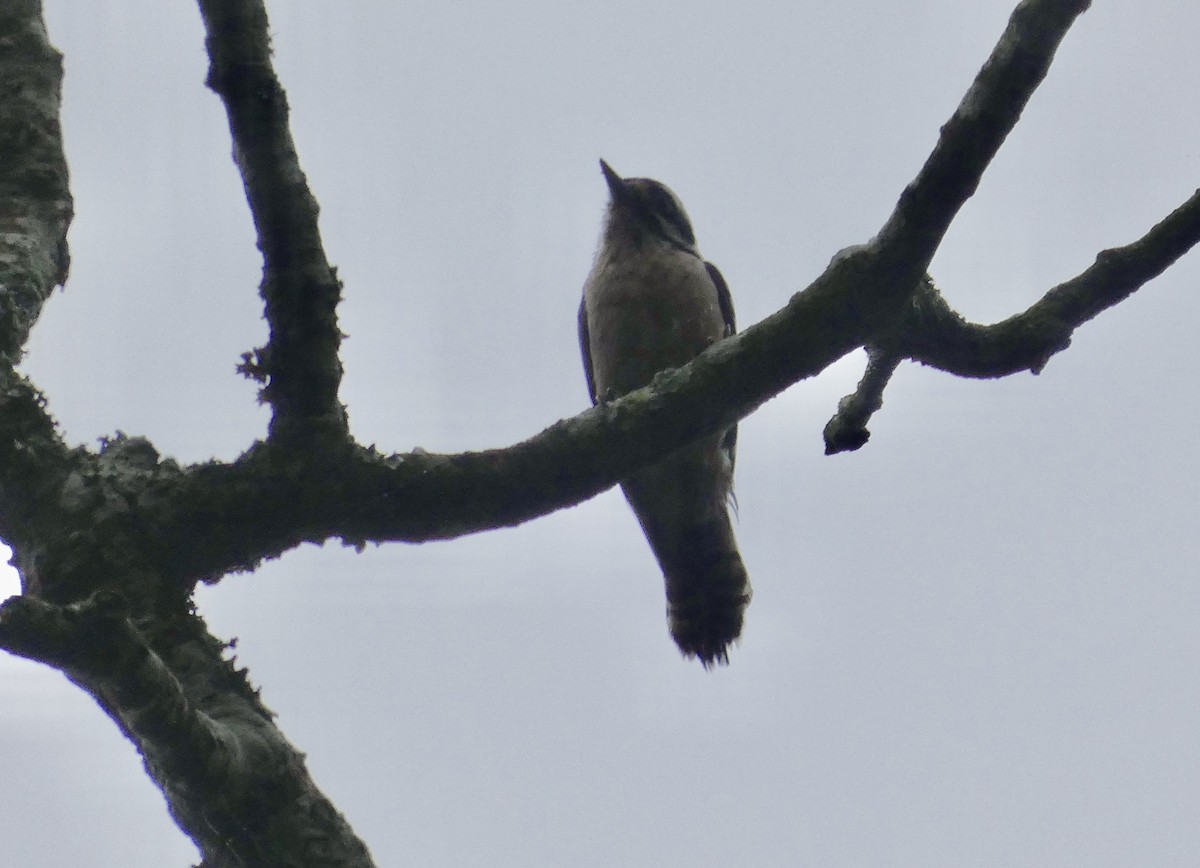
642, 210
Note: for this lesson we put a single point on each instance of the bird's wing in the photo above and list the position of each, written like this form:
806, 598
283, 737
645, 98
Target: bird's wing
585, 347
725, 300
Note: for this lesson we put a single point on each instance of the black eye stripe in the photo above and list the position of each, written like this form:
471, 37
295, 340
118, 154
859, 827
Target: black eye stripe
660, 202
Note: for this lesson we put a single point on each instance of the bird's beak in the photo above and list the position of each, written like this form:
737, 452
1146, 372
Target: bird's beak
616, 186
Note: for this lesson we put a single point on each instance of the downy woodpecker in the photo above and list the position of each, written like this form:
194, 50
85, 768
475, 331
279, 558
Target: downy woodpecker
650, 303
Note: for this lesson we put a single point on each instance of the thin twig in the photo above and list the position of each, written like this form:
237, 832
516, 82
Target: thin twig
847, 430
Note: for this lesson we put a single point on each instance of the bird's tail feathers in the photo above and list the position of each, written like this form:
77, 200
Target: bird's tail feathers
707, 592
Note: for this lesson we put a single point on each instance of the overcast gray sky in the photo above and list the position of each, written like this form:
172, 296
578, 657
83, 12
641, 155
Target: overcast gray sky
972, 643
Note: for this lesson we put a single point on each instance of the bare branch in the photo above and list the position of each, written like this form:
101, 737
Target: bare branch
212, 518
231, 780
970, 139
96, 645
847, 430
300, 289
35, 204
900, 254
935, 335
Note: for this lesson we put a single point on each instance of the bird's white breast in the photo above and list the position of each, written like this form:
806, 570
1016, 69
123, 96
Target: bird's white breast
648, 310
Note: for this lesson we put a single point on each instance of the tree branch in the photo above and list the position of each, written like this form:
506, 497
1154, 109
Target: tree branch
35, 211
847, 430
35, 204
300, 289
973, 135
231, 780
937, 336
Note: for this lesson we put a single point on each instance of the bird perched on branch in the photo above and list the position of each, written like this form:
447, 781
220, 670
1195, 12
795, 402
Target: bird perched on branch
650, 303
